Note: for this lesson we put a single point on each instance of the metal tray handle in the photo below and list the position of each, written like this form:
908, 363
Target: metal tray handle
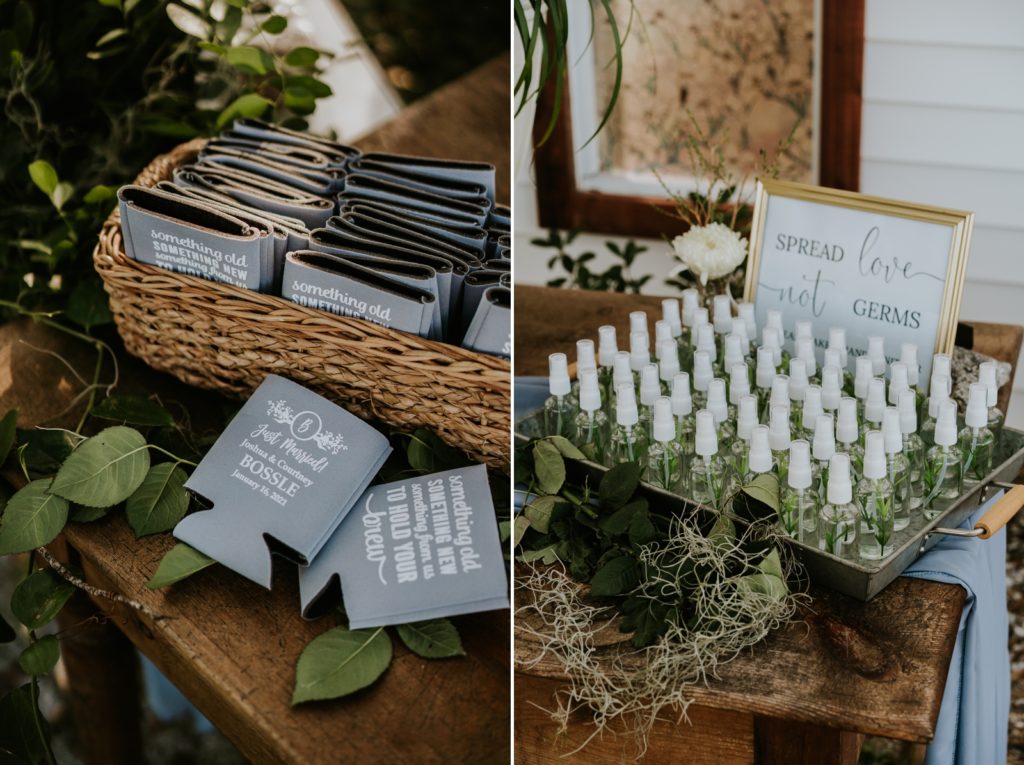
994, 518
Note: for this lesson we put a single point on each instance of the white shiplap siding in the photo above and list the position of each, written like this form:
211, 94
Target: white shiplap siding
943, 123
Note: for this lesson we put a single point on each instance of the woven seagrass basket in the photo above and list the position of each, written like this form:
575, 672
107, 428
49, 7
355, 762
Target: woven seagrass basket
228, 339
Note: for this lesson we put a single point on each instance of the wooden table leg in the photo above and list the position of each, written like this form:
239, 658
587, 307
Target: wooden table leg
104, 685
783, 742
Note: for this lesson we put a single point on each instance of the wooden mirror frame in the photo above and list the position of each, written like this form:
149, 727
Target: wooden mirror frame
562, 205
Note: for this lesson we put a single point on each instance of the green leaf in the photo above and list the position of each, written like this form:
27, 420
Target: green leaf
43, 176
615, 577
33, 517
249, 58
519, 527
318, 88
40, 656
340, 662
724, 530
133, 409
105, 469
641, 529
427, 453
18, 731
84, 514
220, 50
771, 564
765, 489
249, 105
764, 584
159, 502
619, 484
181, 561
546, 555
434, 639
302, 57
111, 36
7, 633
39, 597
43, 451
548, 466
188, 21
539, 512
99, 194
566, 447
62, 194
299, 100
8, 431
275, 25
618, 523
88, 304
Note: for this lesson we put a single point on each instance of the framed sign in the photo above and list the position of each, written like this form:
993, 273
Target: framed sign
874, 266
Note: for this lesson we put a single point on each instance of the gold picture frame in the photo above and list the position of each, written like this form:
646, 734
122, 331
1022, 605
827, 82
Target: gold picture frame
959, 225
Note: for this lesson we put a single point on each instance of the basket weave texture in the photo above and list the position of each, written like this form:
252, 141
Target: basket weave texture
224, 338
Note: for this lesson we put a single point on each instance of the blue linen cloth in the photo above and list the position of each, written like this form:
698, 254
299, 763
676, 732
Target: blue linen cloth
528, 396
972, 724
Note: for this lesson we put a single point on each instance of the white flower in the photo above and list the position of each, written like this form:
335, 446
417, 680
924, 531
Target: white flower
711, 251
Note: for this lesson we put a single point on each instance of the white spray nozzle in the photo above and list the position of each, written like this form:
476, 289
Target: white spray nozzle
862, 376
668, 359
846, 422
622, 370
740, 330
831, 387
664, 427
797, 379
590, 391
812, 407
760, 458
803, 329
779, 395
939, 387
840, 492
626, 413
733, 350
705, 440
824, 437
908, 411
987, 377
942, 363
746, 416
837, 341
805, 352
945, 425
876, 352
899, 380
739, 383
700, 316
908, 355
690, 303
718, 405
778, 428
746, 313
585, 358
702, 372
833, 358
874, 405
874, 455
771, 337
670, 313
799, 475
722, 305
682, 401
976, 415
765, 370
892, 430
650, 384
706, 341
773, 318
662, 331
607, 345
639, 350
558, 375
638, 322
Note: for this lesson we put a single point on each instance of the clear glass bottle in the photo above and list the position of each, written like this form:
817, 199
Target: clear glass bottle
639, 353
798, 501
607, 348
943, 479
837, 521
686, 339
759, 460
771, 338
938, 393
897, 467
702, 376
976, 440
592, 427
585, 359
996, 418
706, 343
875, 502
671, 314
746, 420
739, 386
860, 381
628, 442
798, 383
668, 364
732, 352
682, 411
745, 312
779, 438
805, 352
709, 481
809, 413
764, 374
831, 388
822, 448
650, 390
913, 446
718, 405
848, 436
666, 463
874, 405
559, 410
622, 374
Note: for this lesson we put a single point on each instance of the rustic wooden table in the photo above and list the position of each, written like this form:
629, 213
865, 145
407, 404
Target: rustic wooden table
227, 644
813, 689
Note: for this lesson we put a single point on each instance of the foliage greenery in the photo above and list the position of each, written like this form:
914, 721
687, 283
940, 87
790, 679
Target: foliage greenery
616, 278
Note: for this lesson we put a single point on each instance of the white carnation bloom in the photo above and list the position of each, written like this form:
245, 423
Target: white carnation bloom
711, 251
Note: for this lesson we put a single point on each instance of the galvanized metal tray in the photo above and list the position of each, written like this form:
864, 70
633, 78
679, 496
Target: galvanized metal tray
860, 579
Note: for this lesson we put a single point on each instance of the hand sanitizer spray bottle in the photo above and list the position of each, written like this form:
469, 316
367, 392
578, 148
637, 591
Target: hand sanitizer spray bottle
779, 439
650, 390
760, 459
639, 354
638, 323
718, 405
848, 435
874, 405
837, 522
702, 375
709, 479
559, 412
943, 477
764, 373
746, 419
592, 428
607, 347
585, 359
628, 441
996, 418
772, 338
976, 440
798, 502
876, 352
739, 386
666, 463
837, 342
746, 315
860, 381
822, 448
689, 311
682, 410
913, 446
706, 343
810, 412
897, 467
805, 351
899, 381
831, 388
671, 314
668, 363
733, 351
874, 498
797, 389
938, 393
